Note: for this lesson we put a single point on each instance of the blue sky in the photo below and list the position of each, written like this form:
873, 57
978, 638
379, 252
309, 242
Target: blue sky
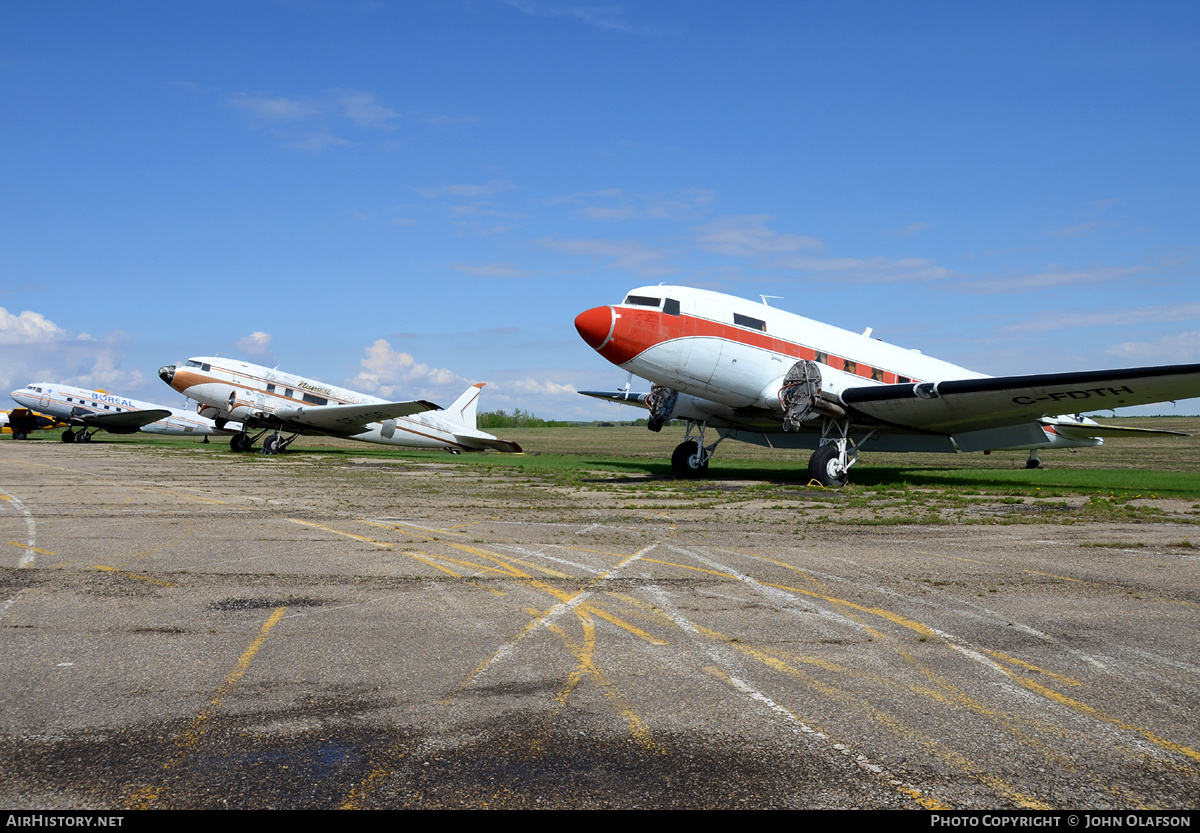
407, 197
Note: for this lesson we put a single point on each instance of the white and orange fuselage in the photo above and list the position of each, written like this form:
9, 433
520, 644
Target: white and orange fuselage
727, 357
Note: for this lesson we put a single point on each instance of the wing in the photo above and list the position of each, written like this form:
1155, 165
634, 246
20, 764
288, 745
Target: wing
125, 422
479, 443
965, 405
624, 397
349, 419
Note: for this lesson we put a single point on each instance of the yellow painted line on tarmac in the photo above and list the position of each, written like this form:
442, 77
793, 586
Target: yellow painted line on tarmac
38, 550
933, 747
136, 576
1062, 578
362, 538
783, 564
1031, 667
742, 686
883, 613
1093, 712
141, 798
563, 596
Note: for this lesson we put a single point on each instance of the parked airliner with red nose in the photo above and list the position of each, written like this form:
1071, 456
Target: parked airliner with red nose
755, 373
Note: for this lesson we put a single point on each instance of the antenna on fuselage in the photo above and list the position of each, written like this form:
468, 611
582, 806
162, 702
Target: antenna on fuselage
765, 297
867, 332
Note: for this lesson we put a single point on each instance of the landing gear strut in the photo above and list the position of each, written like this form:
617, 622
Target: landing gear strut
690, 458
830, 463
243, 441
1033, 462
276, 444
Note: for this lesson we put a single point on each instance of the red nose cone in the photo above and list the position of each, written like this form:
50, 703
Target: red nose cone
595, 325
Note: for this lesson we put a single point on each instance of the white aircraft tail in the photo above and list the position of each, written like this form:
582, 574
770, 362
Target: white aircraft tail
464, 408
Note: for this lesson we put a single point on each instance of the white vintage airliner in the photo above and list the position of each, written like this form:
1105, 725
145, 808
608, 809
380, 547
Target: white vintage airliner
90, 411
763, 375
270, 400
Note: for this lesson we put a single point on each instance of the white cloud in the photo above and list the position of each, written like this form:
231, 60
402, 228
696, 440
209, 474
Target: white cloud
34, 348
486, 189
749, 236
1123, 317
621, 254
1183, 348
602, 17
1051, 276
360, 108
28, 328
613, 205
386, 372
274, 109
257, 344
910, 230
529, 385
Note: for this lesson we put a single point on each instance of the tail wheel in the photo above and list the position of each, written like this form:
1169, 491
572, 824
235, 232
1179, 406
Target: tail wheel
826, 467
684, 461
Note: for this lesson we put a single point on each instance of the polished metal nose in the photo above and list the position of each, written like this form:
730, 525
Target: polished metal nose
167, 373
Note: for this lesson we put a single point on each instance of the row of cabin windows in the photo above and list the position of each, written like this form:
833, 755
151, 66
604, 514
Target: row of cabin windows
308, 397
94, 405
671, 307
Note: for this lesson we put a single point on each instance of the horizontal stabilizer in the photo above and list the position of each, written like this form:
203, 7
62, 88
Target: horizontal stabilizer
480, 443
1083, 431
350, 419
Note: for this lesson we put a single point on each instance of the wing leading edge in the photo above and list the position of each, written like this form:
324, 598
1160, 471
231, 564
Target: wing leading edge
126, 422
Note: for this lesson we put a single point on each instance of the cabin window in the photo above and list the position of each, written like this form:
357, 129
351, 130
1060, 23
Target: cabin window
876, 374
902, 380
821, 358
270, 388
671, 306
206, 367
747, 321
287, 392
849, 366
643, 301
315, 400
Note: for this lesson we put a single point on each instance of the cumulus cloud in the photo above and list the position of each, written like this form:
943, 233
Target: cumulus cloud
387, 372
28, 328
34, 348
257, 344
910, 230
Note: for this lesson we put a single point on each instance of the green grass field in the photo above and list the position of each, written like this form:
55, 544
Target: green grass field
1124, 468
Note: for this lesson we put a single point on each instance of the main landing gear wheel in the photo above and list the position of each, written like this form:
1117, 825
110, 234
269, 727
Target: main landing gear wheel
826, 467
68, 436
19, 435
685, 461
240, 442
273, 445
83, 437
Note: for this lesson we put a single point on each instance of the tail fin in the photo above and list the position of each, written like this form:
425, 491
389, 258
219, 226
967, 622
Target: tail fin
465, 406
